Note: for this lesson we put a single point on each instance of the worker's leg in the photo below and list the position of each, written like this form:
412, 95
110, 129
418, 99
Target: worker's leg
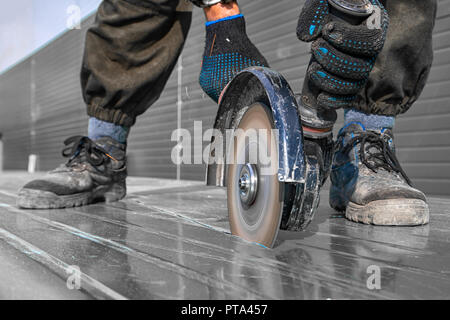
130, 53
370, 183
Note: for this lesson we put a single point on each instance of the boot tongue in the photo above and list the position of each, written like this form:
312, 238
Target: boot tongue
113, 148
351, 130
377, 148
355, 129
387, 135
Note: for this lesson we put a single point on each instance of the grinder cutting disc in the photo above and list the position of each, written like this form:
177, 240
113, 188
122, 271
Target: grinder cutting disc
255, 197
353, 7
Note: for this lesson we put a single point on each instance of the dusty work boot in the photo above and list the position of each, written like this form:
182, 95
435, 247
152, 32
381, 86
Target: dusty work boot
368, 182
95, 171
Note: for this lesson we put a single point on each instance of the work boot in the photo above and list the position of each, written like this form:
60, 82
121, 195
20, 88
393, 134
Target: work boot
95, 171
368, 182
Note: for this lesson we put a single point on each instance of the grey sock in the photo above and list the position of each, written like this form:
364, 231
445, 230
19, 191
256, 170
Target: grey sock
369, 121
98, 129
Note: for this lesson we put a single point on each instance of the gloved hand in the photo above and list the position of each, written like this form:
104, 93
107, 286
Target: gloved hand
343, 54
208, 3
228, 51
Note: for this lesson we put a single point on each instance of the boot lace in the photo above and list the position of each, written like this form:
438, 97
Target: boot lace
81, 149
375, 153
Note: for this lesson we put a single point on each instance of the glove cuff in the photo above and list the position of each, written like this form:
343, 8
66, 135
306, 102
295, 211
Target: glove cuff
209, 23
209, 3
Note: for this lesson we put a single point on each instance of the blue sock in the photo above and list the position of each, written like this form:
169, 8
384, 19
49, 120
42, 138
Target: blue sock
369, 121
98, 129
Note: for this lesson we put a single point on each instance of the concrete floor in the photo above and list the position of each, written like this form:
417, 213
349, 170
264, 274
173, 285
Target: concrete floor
170, 240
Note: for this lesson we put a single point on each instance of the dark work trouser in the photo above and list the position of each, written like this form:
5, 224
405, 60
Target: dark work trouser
134, 45
129, 55
402, 68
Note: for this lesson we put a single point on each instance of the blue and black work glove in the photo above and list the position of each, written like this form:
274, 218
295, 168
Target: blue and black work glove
343, 54
228, 51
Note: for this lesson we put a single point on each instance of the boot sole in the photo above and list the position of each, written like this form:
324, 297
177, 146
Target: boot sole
37, 199
392, 212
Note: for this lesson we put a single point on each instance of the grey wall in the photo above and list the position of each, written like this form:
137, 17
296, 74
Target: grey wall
41, 105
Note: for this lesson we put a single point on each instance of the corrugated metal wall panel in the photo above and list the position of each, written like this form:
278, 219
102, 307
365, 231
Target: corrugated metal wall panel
271, 26
196, 106
149, 144
15, 121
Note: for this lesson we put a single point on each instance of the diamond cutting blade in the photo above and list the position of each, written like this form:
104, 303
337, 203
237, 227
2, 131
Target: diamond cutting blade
255, 199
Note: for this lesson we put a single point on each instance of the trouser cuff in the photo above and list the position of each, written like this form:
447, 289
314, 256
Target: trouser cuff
115, 116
